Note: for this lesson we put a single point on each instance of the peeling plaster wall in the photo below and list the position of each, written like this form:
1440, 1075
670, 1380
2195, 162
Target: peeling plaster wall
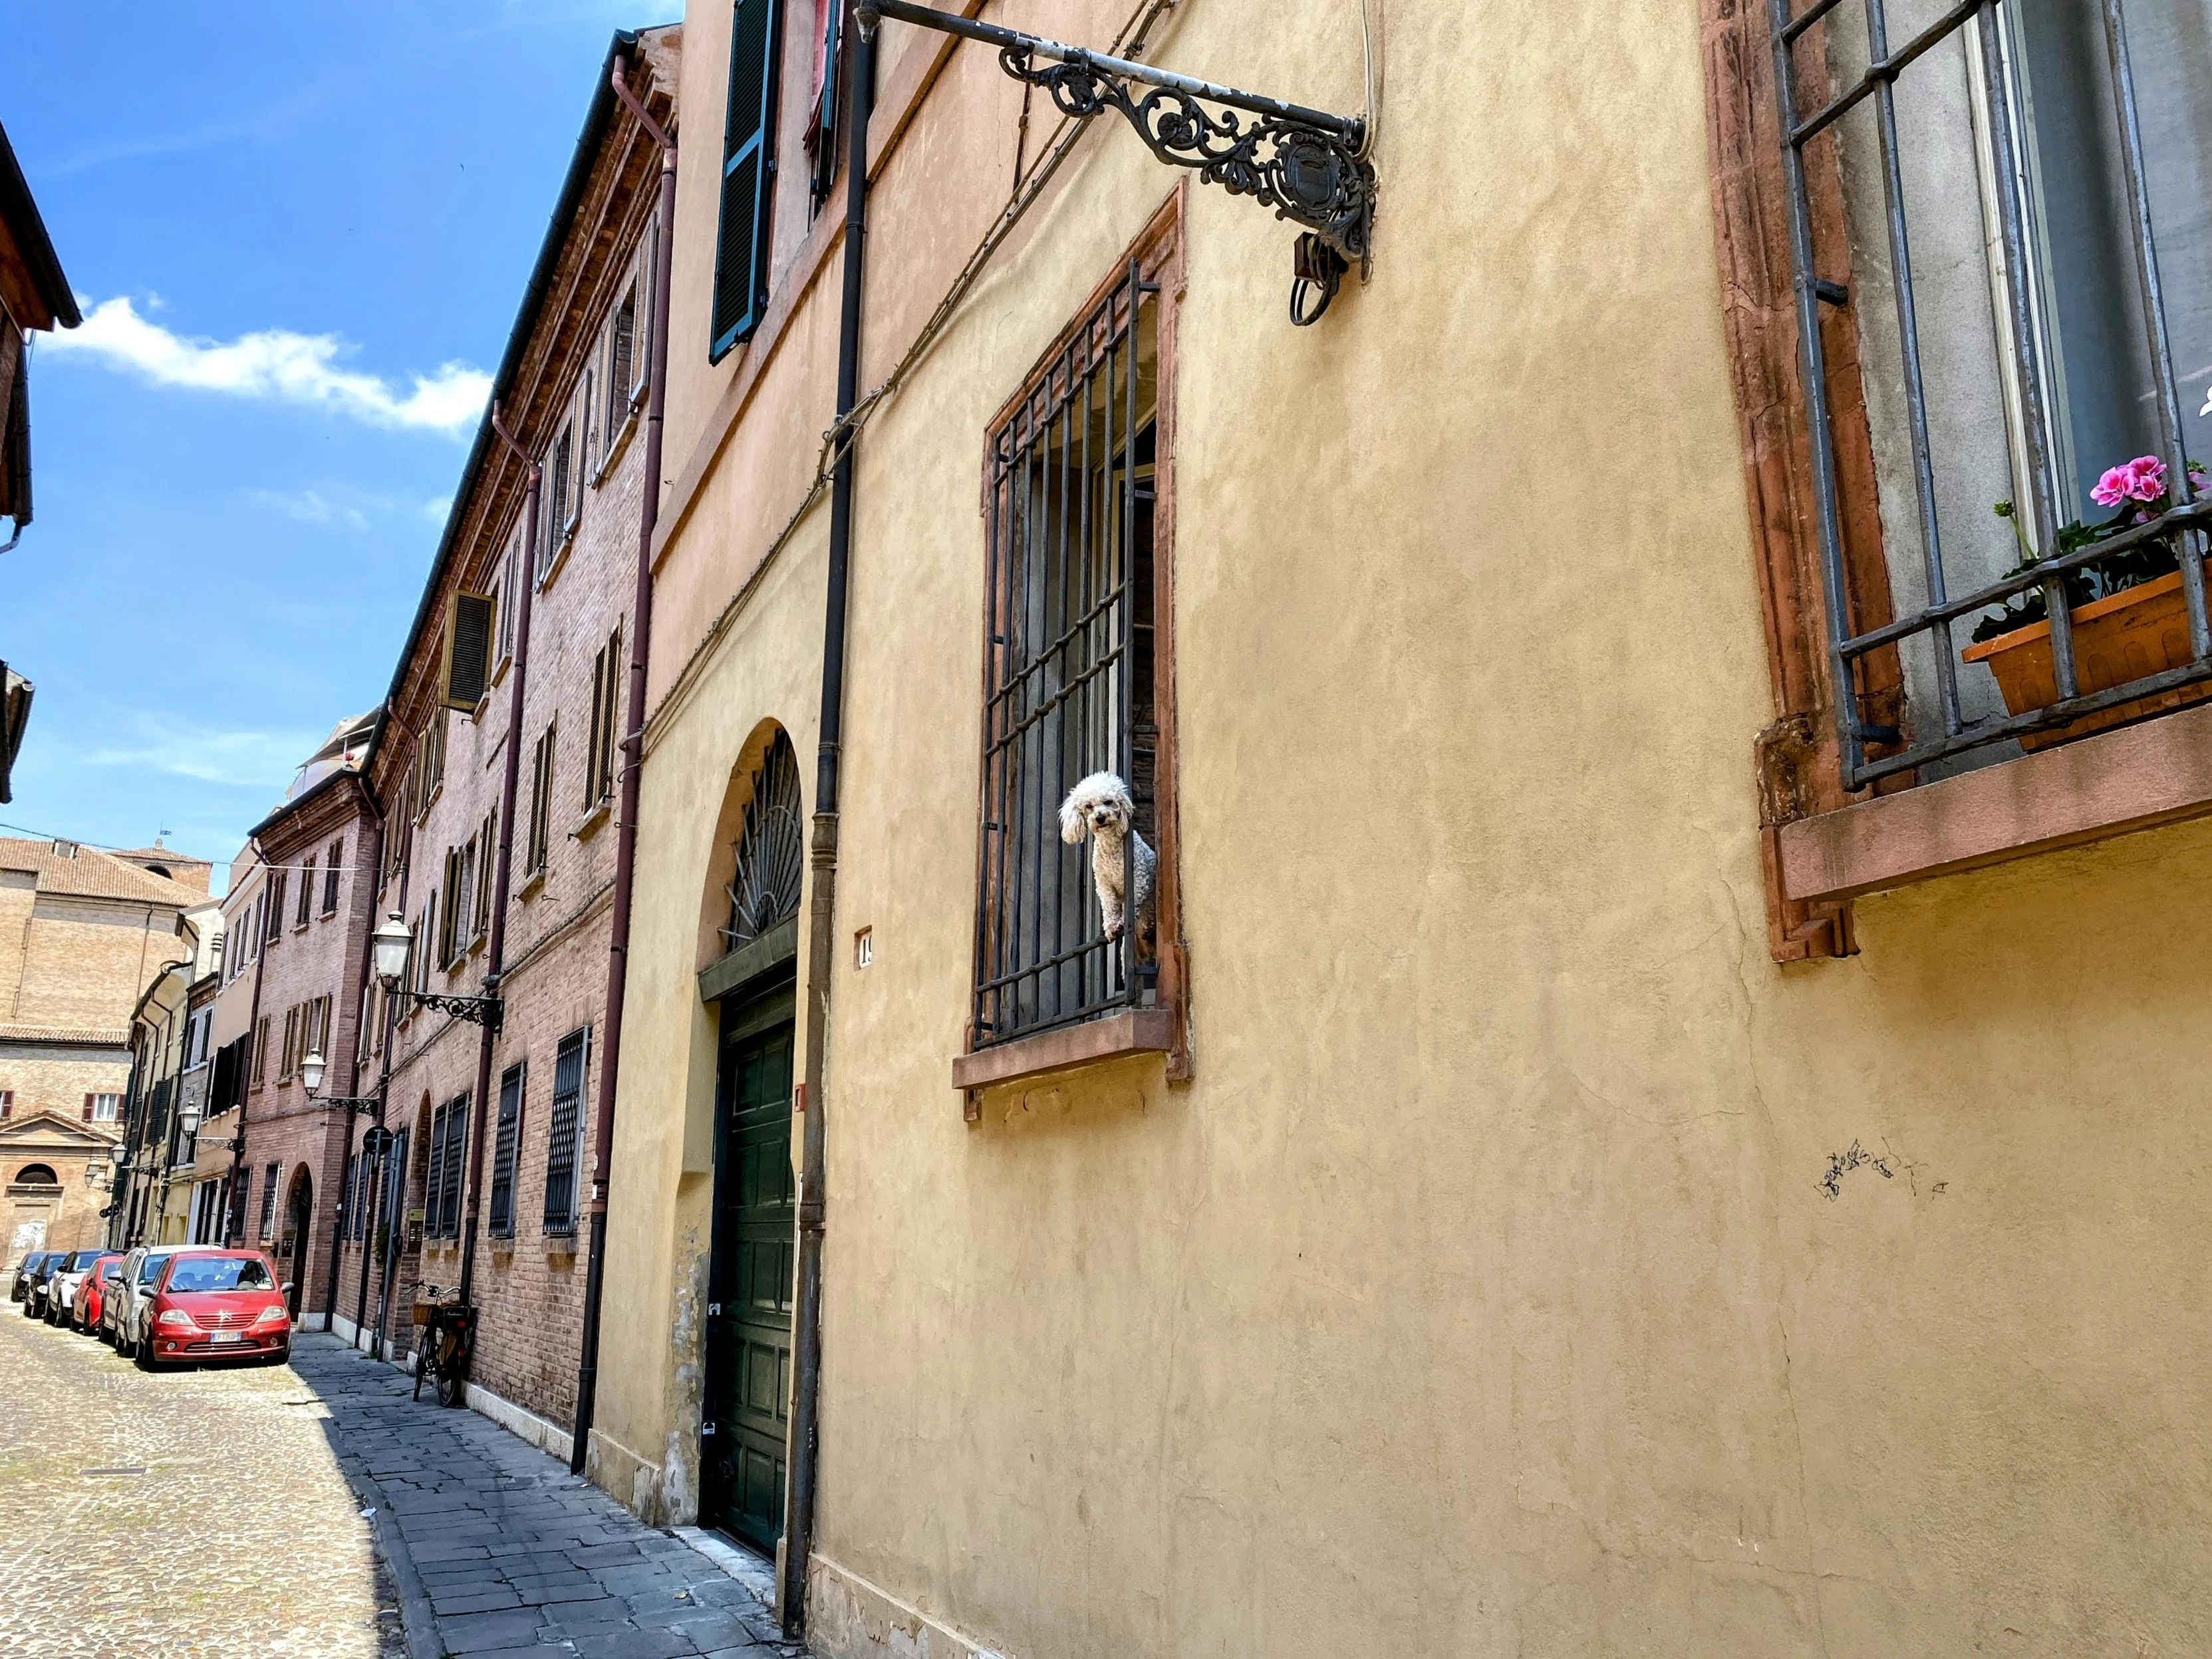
1533, 1268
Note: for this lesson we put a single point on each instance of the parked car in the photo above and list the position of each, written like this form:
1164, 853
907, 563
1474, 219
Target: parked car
24, 1269
34, 1292
126, 1315
61, 1289
216, 1304
99, 1280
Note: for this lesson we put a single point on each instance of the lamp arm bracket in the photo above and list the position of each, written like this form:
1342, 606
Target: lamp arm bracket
1306, 164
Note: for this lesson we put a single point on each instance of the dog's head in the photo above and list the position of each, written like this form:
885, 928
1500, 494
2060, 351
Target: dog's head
1100, 805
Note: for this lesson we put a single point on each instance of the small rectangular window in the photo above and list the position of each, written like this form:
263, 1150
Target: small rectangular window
330, 866
563, 1131
503, 1152
261, 1050
741, 247
467, 650
622, 358
306, 891
541, 799
276, 900
107, 1108
268, 1175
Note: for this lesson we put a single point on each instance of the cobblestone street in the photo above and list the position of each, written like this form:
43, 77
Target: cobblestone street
221, 1511
183, 1513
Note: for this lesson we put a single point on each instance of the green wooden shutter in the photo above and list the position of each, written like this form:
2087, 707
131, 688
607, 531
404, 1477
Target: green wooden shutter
748, 173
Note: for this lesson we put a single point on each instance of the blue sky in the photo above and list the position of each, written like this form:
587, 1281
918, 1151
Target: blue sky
307, 232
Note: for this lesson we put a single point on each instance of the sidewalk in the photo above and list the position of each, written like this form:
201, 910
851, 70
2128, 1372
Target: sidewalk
497, 1550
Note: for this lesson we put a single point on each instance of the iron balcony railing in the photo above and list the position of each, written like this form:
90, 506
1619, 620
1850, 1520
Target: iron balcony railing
2182, 529
1068, 687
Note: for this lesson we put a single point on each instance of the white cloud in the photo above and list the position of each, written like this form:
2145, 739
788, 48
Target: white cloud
437, 507
276, 363
308, 507
180, 747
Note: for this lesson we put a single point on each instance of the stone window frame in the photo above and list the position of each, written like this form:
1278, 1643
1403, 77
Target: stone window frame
1158, 251
1820, 847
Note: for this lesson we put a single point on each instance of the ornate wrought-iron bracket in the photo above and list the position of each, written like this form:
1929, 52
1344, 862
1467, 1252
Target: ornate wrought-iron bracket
479, 1011
1304, 163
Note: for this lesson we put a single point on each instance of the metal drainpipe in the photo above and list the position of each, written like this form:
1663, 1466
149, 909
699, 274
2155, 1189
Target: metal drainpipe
383, 1086
496, 951
246, 1093
806, 1323
352, 1081
632, 748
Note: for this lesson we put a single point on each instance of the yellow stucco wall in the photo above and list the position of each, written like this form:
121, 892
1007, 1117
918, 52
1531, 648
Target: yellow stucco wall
1483, 1294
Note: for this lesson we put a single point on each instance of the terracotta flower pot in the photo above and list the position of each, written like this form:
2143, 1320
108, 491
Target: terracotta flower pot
2143, 630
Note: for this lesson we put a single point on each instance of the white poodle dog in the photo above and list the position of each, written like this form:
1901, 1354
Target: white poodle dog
1100, 807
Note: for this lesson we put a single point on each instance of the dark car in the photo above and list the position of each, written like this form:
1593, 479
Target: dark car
42, 1276
24, 1269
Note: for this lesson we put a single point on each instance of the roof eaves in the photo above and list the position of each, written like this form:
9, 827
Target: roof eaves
19, 213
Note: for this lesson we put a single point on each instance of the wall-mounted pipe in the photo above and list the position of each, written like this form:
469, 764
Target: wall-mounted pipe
495, 948
807, 1321
633, 751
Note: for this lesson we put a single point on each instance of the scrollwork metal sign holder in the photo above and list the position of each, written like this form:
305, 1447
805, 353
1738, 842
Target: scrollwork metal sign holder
1306, 164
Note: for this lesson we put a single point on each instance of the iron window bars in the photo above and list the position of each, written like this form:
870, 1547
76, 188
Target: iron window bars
2181, 527
505, 1145
1068, 667
560, 1140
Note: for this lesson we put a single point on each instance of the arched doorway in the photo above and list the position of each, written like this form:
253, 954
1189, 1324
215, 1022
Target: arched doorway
299, 1218
746, 1416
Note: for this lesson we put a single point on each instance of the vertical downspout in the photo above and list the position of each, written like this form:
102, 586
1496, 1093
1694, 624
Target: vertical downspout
806, 1323
245, 1092
633, 749
347, 1191
496, 951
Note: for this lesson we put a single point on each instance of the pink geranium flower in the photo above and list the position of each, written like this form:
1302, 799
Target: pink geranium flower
2143, 479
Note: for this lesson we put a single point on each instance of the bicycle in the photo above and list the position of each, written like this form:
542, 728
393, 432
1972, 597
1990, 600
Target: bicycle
442, 1351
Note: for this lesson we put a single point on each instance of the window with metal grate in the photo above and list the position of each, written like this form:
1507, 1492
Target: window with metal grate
748, 177
1069, 666
563, 1129
503, 1152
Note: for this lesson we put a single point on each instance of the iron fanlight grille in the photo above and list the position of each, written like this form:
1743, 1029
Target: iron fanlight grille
1068, 666
771, 850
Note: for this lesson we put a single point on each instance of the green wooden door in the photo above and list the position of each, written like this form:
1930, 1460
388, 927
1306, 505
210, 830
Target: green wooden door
748, 1373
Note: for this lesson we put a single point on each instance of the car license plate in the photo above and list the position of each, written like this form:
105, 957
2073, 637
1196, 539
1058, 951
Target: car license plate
225, 1336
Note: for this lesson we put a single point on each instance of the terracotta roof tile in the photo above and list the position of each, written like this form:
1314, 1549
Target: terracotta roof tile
90, 874
100, 1035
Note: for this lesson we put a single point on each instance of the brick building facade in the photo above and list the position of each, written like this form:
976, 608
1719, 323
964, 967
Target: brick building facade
82, 931
570, 389
272, 1161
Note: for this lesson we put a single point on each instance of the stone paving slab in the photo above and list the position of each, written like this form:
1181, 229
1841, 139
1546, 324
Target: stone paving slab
497, 1550
178, 1515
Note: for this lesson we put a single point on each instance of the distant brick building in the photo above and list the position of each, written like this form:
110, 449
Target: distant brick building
270, 1165
571, 388
82, 931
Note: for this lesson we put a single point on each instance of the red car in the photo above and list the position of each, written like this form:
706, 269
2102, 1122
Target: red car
216, 1304
99, 1281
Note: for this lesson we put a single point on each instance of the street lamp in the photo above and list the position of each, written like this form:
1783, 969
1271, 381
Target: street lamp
310, 1073
390, 944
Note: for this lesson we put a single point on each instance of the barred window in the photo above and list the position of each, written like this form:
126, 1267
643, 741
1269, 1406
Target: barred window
441, 1203
1072, 671
563, 1131
503, 1151
269, 1201
2004, 302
